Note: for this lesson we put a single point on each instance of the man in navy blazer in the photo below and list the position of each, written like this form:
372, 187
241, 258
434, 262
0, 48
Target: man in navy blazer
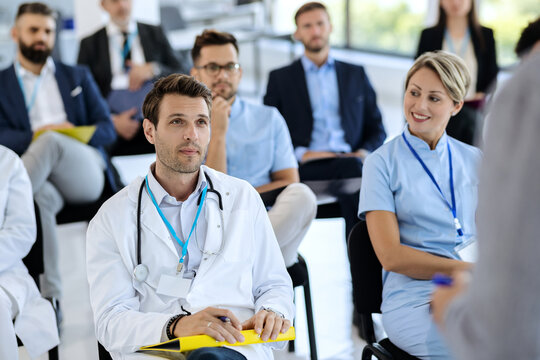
37, 93
329, 106
124, 57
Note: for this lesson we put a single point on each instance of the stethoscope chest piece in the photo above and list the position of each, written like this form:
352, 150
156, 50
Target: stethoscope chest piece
140, 272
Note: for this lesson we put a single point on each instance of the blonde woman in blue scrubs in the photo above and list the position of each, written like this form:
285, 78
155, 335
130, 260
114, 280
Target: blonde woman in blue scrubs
419, 197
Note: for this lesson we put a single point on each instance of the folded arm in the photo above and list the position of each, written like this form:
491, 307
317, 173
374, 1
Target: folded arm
384, 234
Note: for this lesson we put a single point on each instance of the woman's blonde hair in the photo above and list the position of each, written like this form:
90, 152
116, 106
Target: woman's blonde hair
451, 70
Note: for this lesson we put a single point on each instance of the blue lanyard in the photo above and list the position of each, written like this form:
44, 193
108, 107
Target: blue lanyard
464, 44
127, 47
184, 245
37, 84
452, 207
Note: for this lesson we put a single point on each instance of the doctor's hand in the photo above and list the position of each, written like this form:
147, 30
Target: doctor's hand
267, 323
207, 322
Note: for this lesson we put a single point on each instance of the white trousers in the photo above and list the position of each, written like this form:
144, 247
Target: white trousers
291, 216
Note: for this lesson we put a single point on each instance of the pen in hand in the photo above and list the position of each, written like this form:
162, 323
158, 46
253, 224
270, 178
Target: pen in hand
224, 319
441, 280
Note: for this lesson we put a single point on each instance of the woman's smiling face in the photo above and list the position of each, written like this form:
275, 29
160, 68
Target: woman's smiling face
427, 106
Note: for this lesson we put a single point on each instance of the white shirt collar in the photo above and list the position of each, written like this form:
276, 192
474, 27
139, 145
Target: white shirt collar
113, 29
161, 195
48, 68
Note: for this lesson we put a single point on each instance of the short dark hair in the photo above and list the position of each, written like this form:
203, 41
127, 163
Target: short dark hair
212, 37
178, 84
529, 36
35, 8
313, 5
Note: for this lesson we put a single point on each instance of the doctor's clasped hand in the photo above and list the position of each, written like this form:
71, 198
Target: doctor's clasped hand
208, 322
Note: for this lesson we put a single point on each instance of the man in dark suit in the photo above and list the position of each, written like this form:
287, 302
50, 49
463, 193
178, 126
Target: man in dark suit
38, 94
329, 106
124, 57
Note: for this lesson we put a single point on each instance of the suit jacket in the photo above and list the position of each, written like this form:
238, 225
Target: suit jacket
86, 107
82, 102
432, 39
360, 117
94, 52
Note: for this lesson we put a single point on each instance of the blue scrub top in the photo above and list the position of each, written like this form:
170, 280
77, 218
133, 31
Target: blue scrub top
393, 180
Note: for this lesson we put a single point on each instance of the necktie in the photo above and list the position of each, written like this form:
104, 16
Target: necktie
127, 56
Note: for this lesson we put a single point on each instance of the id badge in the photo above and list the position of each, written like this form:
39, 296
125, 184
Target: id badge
174, 285
468, 250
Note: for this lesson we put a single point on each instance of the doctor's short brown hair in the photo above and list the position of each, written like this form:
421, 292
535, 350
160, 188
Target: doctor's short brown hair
176, 84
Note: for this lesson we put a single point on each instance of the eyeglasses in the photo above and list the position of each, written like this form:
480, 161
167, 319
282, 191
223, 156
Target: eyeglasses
213, 69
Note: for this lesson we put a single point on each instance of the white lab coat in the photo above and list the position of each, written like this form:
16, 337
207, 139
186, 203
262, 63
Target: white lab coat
35, 323
249, 272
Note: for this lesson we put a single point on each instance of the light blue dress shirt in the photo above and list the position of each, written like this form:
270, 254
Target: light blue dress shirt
181, 215
327, 134
393, 180
258, 143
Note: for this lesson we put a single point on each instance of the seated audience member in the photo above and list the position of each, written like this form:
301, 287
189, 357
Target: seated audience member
35, 323
498, 315
252, 142
40, 94
459, 32
207, 260
329, 106
419, 199
124, 57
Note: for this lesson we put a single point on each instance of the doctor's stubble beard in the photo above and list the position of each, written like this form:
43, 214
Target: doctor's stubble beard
171, 160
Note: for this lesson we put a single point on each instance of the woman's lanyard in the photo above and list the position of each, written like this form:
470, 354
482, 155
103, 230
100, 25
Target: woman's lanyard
126, 48
464, 43
452, 207
184, 245
29, 103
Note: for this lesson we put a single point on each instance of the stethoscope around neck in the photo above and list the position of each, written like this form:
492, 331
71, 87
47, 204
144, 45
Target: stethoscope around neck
140, 272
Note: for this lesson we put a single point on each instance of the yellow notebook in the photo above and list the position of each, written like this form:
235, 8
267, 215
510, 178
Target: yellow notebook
81, 133
189, 343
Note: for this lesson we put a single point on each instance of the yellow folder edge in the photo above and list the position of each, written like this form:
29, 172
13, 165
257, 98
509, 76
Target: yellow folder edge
189, 343
81, 133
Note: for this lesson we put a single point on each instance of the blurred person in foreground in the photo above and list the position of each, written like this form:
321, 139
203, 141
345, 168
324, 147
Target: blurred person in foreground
497, 315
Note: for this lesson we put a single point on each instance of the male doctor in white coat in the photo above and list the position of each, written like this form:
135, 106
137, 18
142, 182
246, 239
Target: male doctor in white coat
208, 261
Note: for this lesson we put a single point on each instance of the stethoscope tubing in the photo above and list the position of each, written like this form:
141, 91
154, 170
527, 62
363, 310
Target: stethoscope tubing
139, 201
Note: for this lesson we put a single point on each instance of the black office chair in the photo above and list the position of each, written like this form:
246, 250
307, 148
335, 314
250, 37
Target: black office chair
300, 277
34, 263
366, 275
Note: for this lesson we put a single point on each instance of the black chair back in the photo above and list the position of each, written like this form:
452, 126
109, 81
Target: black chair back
366, 274
34, 260
365, 270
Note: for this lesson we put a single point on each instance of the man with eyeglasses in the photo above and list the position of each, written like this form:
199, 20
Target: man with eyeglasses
252, 142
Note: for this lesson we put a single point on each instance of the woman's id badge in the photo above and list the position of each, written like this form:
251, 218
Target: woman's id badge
467, 250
